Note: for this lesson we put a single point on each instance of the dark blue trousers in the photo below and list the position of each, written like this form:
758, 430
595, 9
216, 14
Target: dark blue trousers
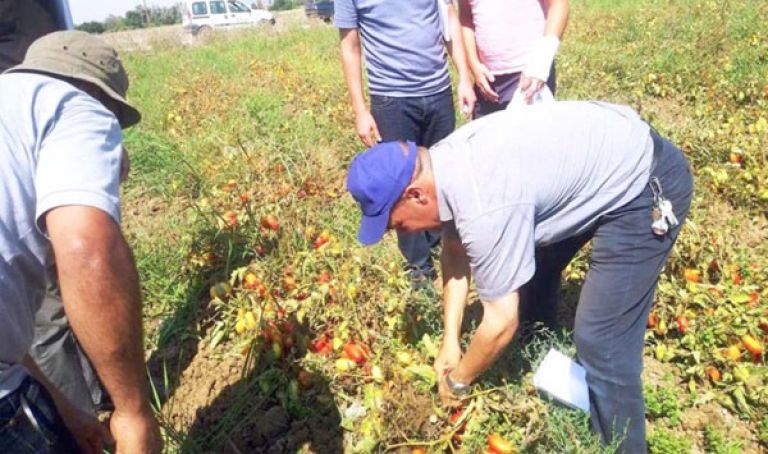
424, 120
612, 313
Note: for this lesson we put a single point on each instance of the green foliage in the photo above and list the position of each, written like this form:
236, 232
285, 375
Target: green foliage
763, 431
136, 18
661, 441
661, 402
716, 443
91, 27
281, 5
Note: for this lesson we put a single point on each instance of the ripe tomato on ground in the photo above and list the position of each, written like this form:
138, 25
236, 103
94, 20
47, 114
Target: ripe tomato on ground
498, 445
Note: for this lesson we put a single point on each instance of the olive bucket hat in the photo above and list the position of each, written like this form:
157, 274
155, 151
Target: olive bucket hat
82, 56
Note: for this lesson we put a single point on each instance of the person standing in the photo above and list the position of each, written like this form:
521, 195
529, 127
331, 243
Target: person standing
587, 170
404, 43
61, 114
511, 44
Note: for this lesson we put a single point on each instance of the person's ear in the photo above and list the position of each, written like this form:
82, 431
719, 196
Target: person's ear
417, 194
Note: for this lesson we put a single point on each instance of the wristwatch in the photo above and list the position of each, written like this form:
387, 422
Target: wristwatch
460, 389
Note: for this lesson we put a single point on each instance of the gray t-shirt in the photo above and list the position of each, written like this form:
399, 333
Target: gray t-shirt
531, 176
403, 44
58, 146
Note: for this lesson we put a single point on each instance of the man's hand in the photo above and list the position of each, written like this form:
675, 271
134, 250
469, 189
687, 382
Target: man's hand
483, 79
136, 433
447, 360
529, 87
366, 128
467, 97
539, 65
89, 433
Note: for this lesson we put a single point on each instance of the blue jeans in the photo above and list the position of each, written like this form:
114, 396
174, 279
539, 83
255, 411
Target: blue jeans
617, 295
425, 120
43, 433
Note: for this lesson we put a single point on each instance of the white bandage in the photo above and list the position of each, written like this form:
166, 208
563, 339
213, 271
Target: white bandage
541, 57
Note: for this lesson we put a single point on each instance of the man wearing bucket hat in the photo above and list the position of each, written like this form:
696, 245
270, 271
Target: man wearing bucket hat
61, 112
55, 349
514, 180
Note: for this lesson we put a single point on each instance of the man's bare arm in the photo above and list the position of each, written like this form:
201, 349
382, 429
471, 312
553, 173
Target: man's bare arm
483, 77
543, 53
351, 62
464, 90
557, 18
100, 290
456, 278
500, 322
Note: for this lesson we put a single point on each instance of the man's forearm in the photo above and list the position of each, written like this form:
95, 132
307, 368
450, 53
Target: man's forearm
470, 46
351, 63
468, 34
100, 291
456, 45
454, 300
557, 18
494, 333
456, 279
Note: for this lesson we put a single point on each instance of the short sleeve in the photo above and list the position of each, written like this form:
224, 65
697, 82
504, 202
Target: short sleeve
79, 160
345, 14
501, 250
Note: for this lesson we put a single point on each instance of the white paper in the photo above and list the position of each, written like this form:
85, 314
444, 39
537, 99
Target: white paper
543, 96
563, 379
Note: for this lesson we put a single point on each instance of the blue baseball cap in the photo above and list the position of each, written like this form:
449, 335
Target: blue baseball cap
376, 180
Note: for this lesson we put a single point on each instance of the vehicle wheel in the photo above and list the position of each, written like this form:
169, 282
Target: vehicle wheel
202, 31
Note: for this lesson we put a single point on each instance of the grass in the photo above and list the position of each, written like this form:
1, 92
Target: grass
258, 123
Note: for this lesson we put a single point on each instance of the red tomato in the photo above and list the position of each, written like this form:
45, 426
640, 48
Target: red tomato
498, 445
354, 352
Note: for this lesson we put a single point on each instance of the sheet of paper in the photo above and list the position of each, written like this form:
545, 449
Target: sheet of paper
544, 96
563, 379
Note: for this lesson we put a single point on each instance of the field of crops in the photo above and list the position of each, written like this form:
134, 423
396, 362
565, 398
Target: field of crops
269, 329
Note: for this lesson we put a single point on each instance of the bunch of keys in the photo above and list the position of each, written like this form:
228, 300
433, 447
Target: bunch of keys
663, 216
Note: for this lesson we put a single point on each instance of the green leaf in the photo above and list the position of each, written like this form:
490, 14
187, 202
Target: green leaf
740, 298
430, 349
423, 373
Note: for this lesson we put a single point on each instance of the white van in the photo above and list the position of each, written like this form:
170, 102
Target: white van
203, 15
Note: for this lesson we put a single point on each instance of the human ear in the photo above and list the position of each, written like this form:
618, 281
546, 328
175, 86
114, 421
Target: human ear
417, 194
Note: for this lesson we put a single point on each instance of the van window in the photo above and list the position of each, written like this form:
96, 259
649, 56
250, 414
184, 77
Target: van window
218, 8
237, 7
199, 9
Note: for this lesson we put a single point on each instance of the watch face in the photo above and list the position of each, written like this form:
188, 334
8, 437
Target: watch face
456, 388
460, 389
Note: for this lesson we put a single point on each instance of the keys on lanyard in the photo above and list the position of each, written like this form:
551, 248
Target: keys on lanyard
663, 216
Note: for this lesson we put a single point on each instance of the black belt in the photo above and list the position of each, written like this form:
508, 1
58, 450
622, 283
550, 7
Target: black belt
658, 147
